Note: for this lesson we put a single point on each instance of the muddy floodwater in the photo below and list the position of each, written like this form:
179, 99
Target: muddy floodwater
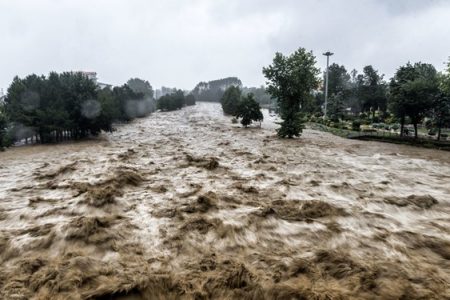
186, 205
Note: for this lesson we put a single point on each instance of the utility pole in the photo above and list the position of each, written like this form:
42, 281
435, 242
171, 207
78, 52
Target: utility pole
327, 54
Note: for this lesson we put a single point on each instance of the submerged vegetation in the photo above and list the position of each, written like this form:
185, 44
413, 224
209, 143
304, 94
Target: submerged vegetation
174, 101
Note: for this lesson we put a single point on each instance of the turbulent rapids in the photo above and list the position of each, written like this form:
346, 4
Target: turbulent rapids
186, 205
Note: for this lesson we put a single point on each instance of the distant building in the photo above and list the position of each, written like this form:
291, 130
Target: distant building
164, 91
104, 85
158, 93
2, 96
93, 76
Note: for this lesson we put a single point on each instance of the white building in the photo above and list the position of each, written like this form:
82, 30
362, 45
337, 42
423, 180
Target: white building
91, 75
2, 96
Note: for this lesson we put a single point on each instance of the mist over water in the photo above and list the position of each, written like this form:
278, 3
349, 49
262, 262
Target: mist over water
185, 205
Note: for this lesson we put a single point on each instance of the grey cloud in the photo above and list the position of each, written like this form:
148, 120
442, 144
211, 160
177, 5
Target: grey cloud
178, 43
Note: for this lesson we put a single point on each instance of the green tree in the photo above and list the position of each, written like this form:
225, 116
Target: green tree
190, 100
441, 106
337, 106
444, 80
172, 101
248, 110
440, 112
412, 92
338, 79
260, 94
5, 139
291, 79
212, 91
230, 100
129, 104
56, 107
370, 90
140, 86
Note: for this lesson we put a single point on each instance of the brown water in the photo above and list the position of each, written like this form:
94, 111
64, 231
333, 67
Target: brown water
185, 205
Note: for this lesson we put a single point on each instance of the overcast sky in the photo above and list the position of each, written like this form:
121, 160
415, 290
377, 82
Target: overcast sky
178, 43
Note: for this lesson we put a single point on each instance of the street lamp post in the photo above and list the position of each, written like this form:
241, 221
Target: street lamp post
327, 54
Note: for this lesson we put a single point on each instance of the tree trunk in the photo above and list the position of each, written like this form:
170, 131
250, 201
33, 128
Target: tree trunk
439, 132
415, 130
402, 125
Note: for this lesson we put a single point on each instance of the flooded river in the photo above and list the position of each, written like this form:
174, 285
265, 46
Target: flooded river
186, 205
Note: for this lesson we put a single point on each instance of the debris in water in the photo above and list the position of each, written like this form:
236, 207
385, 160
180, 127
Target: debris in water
425, 201
94, 230
246, 189
301, 210
203, 203
209, 163
60, 171
105, 192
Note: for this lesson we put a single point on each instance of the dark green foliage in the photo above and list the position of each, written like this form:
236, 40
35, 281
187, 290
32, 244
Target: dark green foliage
440, 112
260, 94
313, 104
68, 106
172, 101
55, 107
412, 92
356, 125
5, 138
292, 125
338, 79
248, 110
128, 104
213, 91
141, 103
230, 100
140, 86
190, 100
291, 79
336, 106
371, 90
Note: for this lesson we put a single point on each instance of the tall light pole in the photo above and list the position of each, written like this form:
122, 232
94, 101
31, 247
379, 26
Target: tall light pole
327, 54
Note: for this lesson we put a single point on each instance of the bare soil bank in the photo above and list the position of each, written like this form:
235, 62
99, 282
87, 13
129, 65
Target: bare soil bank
183, 205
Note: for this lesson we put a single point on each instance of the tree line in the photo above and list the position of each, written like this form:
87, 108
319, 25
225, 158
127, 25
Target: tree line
174, 101
69, 105
415, 93
212, 91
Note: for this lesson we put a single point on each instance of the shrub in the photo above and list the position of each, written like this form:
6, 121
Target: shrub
172, 101
189, 100
248, 110
356, 124
230, 100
